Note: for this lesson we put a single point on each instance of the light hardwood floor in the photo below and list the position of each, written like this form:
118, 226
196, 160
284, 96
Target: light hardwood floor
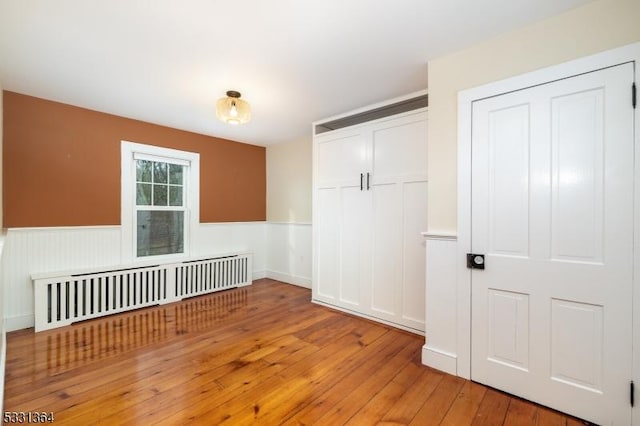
260, 354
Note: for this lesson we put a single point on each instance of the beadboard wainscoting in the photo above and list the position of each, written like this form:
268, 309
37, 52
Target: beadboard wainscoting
228, 237
289, 253
280, 251
440, 349
30, 250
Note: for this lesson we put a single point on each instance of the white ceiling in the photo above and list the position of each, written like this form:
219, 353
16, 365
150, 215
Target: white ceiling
167, 61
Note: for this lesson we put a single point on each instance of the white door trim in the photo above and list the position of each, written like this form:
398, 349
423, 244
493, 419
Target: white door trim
629, 53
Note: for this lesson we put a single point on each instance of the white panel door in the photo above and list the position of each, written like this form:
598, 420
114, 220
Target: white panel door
398, 182
387, 252
353, 265
552, 211
339, 211
341, 157
326, 244
414, 222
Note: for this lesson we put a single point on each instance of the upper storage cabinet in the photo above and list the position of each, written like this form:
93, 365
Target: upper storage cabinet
373, 112
343, 156
391, 142
399, 148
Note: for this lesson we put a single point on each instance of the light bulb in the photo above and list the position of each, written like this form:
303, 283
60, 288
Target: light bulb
232, 109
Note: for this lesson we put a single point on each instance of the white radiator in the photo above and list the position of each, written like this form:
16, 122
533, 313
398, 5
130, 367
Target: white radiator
62, 299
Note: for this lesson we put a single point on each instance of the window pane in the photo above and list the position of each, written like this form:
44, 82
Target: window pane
175, 195
175, 174
159, 172
159, 195
160, 232
143, 194
143, 171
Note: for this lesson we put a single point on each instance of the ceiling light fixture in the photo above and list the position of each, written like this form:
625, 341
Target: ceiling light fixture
232, 109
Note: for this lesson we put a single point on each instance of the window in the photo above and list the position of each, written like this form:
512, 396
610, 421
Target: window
159, 201
160, 208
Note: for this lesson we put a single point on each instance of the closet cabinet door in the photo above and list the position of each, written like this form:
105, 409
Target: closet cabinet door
399, 214
353, 249
340, 158
340, 205
370, 191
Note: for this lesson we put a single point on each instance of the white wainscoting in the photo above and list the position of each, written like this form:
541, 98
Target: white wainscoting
29, 250
32, 250
233, 237
281, 251
289, 252
440, 349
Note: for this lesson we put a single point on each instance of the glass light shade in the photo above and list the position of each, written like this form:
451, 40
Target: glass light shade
233, 110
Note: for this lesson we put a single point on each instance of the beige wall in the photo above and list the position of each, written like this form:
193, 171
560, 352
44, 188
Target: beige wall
289, 181
598, 26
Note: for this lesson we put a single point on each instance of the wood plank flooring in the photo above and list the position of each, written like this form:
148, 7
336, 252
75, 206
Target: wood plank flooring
259, 354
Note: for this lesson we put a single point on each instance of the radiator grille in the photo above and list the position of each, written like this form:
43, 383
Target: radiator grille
203, 276
63, 300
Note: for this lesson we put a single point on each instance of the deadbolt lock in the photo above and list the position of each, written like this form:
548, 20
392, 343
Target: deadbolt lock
475, 261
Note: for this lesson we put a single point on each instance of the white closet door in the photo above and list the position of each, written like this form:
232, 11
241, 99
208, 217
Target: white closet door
340, 158
340, 161
398, 185
354, 263
326, 244
552, 210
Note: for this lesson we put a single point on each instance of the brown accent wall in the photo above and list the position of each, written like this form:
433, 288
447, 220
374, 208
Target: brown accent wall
61, 166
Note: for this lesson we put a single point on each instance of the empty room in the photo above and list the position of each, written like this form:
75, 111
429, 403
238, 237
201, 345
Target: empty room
359, 212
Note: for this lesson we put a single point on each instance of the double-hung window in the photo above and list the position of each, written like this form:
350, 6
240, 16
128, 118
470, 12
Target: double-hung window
159, 201
160, 206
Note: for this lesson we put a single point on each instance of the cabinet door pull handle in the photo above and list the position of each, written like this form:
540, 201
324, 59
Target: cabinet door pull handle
361, 182
368, 186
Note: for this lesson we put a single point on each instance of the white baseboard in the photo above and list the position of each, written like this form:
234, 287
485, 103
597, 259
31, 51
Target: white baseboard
290, 279
259, 274
440, 360
20, 322
369, 317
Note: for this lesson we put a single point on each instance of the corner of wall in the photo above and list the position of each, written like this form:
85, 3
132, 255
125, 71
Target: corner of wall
289, 181
289, 211
288, 253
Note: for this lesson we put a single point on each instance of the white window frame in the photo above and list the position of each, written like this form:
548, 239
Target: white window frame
129, 153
